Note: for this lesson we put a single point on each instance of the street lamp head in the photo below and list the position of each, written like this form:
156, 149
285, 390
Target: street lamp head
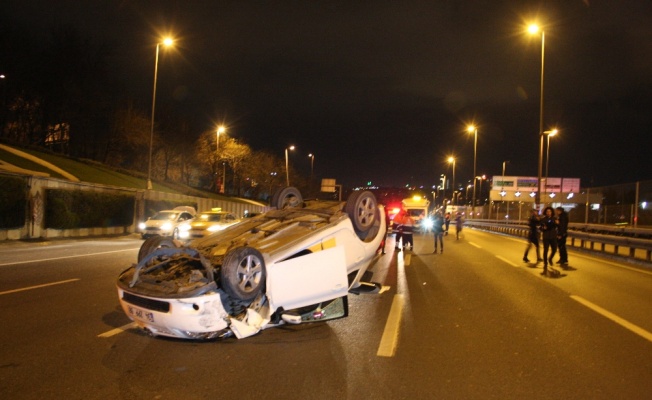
168, 41
451, 159
470, 129
533, 29
551, 132
221, 129
291, 148
310, 155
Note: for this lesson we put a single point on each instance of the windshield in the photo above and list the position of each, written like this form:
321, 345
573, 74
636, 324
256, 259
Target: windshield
163, 216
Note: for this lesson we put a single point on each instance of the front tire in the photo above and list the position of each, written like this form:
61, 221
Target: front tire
243, 273
287, 197
153, 243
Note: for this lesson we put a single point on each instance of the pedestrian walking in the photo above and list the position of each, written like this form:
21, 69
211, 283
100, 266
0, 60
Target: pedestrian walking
447, 220
438, 230
459, 222
533, 237
562, 233
549, 229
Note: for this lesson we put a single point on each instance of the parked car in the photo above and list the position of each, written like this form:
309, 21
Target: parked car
206, 223
166, 222
293, 264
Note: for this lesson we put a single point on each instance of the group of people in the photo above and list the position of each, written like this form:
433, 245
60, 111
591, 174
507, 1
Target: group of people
403, 225
553, 228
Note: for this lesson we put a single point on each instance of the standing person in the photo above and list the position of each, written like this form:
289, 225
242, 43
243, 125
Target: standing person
408, 226
447, 220
459, 222
533, 236
398, 228
562, 233
438, 230
382, 245
549, 228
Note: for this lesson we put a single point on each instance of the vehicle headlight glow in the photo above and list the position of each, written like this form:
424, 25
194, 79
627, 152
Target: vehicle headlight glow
215, 228
166, 226
427, 223
184, 227
142, 226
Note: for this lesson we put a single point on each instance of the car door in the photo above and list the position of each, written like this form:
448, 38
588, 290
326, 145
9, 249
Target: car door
309, 279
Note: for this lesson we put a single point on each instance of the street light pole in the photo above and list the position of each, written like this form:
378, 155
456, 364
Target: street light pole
534, 29
473, 129
452, 160
220, 129
287, 171
166, 42
312, 165
548, 134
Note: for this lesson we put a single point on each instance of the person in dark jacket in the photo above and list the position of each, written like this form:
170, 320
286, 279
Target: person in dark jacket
549, 229
533, 236
562, 233
438, 230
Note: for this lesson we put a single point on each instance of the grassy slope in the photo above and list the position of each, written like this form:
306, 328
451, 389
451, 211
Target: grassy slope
96, 173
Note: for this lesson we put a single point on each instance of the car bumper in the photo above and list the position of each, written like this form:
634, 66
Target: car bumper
200, 317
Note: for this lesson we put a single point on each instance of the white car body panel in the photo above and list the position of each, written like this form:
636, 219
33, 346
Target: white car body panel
309, 279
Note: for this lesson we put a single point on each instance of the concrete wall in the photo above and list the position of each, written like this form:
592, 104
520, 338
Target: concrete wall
34, 224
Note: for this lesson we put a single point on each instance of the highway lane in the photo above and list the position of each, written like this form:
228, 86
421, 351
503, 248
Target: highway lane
475, 322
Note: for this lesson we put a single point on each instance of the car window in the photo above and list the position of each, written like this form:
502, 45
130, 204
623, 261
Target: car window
163, 216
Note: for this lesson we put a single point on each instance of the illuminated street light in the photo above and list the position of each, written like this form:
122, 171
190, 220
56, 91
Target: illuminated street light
220, 129
312, 164
474, 130
167, 42
451, 160
548, 134
287, 170
533, 29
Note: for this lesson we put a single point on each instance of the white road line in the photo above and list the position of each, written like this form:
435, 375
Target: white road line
602, 260
63, 258
620, 321
117, 331
507, 261
475, 245
389, 340
39, 286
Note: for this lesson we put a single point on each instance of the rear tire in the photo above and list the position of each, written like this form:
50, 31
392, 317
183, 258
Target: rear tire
362, 208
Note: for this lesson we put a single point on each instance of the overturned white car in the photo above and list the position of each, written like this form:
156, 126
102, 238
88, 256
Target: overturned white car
293, 264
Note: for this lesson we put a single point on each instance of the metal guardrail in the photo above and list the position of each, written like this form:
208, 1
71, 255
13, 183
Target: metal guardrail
607, 241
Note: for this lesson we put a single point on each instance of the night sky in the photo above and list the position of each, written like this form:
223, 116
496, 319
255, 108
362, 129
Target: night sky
382, 91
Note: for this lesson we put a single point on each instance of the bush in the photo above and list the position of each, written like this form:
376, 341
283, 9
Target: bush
71, 209
13, 201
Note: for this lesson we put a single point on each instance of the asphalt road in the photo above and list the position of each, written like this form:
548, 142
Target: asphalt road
472, 323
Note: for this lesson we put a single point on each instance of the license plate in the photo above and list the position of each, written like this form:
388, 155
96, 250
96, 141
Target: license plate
141, 315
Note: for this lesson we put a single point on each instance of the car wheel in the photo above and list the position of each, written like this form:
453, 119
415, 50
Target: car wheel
287, 197
362, 208
243, 273
153, 243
